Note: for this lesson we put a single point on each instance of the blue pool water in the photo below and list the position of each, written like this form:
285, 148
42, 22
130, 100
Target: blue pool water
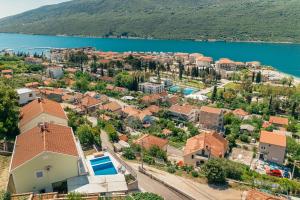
185, 91
103, 166
100, 160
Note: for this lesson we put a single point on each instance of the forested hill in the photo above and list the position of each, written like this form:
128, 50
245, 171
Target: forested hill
267, 20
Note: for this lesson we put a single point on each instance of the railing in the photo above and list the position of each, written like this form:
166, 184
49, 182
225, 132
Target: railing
130, 169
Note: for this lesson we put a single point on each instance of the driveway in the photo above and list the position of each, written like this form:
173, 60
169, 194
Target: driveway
174, 154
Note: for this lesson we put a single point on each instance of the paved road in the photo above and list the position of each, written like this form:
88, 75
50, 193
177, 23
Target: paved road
146, 184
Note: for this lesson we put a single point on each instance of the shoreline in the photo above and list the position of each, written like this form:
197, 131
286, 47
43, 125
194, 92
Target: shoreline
210, 40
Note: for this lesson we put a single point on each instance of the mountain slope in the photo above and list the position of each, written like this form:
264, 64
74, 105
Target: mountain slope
268, 20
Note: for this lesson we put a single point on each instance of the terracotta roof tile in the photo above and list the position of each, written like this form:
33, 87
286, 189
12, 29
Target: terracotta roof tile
257, 195
56, 138
37, 107
184, 109
240, 112
211, 110
278, 139
214, 141
147, 141
278, 120
112, 106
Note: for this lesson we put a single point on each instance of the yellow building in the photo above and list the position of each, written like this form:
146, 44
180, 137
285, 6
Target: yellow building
43, 158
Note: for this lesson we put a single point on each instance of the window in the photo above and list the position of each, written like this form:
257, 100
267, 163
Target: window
39, 174
192, 156
30, 95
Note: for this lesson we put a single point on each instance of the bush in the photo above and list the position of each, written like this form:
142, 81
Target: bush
128, 154
74, 196
4, 195
214, 171
171, 169
244, 138
148, 159
145, 196
195, 173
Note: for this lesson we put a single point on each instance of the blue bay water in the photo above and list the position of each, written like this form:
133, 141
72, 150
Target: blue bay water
284, 57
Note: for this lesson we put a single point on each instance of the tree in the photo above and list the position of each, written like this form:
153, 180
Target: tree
145, 196
181, 70
128, 154
214, 94
9, 112
79, 58
258, 77
111, 131
214, 171
88, 136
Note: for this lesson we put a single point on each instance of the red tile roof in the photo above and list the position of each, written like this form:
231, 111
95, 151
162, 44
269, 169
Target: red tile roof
211, 140
278, 139
240, 112
184, 109
257, 195
37, 107
147, 141
278, 120
88, 101
112, 106
211, 110
55, 138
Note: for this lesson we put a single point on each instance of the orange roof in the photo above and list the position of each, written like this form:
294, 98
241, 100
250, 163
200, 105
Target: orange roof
226, 61
211, 140
123, 137
55, 138
240, 112
205, 59
112, 106
48, 91
184, 109
278, 139
88, 101
150, 98
211, 110
37, 107
153, 109
5, 71
147, 141
278, 120
32, 84
129, 110
257, 195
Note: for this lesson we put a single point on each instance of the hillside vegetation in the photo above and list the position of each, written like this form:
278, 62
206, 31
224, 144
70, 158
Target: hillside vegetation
268, 20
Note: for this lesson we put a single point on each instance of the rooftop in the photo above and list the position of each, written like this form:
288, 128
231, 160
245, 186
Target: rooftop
278, 139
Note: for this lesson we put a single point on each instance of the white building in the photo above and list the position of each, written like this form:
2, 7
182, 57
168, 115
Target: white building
26, 95
55, 72
151, 88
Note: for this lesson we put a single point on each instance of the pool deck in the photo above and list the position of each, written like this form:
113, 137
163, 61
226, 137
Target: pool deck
92, 183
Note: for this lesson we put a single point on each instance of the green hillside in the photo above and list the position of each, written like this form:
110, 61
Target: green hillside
268, 20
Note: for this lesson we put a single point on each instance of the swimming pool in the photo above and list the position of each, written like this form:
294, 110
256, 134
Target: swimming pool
100, 160
185, 91
103, 166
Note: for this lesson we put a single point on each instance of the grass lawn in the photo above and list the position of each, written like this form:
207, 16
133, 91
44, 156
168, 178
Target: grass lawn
232, 85
4, 167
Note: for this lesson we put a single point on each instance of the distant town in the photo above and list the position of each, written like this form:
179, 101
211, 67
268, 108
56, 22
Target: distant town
86, 124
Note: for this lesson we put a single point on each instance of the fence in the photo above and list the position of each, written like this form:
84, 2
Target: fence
6, 148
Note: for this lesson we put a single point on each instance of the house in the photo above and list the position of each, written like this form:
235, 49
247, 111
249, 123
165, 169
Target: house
279, 121
55, 72
32, 85
240, 113
89, 104
211, 118
40, 111
184, 112
55, 94
26, 95
151, 88
247, 128
43, 156
147, 141
129, 111
204, 146
112, 107
153, 109
272, 146
150, 99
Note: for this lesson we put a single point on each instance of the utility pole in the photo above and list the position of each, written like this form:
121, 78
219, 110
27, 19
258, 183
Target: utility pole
295, 161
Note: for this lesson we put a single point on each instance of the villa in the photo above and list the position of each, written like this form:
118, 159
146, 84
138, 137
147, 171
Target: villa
211, 118
151, 88
201, 147
184, 112
44, 157
147, 141
41, 111
272, 146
